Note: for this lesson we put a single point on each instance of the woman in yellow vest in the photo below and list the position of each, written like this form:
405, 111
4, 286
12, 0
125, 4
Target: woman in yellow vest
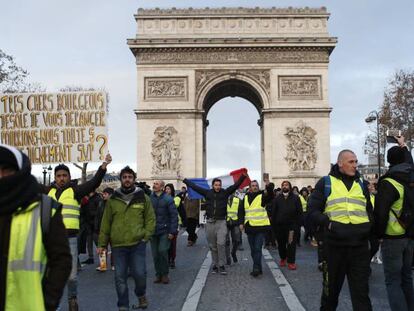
36, 261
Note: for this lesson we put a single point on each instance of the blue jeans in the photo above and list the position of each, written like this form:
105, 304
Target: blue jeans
397, 258
73, 277
132, 257
256, 243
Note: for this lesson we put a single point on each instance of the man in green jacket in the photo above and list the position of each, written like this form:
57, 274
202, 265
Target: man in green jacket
128, 223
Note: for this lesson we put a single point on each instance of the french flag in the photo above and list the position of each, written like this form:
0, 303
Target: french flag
226, 181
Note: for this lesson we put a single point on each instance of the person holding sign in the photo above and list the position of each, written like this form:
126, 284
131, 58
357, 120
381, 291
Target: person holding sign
69, 194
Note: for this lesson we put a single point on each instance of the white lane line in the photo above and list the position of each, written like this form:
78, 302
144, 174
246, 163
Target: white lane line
288, 294
193, 297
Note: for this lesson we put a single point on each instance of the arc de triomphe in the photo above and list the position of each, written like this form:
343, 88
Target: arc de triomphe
188, 59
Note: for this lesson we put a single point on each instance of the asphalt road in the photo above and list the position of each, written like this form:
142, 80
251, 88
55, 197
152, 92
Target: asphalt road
237, 291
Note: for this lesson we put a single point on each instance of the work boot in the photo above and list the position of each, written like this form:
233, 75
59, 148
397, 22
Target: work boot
142, 303
73, 304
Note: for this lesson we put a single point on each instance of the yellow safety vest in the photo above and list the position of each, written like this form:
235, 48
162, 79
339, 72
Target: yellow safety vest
347, 207
372, 199
233, 209
70, 207
393, 226
255, 213
304, 203
177, 202
26, 261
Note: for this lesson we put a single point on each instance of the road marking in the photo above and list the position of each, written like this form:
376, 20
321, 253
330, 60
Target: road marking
193, 297
288, 294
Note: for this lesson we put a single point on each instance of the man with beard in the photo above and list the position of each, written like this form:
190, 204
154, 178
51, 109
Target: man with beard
35, 260
341, 205
69, 194
128, 223
286, 217
255, 221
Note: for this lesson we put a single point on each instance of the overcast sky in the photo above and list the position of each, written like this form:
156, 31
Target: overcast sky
80, 42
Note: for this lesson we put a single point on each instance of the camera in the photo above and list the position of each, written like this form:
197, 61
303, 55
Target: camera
391, 134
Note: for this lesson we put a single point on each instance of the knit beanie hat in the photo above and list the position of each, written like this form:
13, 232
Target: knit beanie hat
395, 155
11, 157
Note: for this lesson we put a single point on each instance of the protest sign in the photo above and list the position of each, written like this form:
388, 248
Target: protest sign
56, 127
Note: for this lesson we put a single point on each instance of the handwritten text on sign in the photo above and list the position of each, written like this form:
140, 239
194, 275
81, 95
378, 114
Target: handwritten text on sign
56, 128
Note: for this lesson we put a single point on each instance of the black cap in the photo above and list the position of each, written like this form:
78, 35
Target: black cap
396, 155
108, 190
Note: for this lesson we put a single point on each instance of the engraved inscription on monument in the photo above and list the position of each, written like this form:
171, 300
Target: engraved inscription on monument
301, 147
297, 87
166, 153
170, 88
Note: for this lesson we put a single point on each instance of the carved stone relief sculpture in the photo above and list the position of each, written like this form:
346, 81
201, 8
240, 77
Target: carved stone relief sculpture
170, 88
166, 151
301, 147
300, 87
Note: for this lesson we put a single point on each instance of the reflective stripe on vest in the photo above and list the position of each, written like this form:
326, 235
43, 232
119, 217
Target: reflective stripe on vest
233, 209
26, 262
70, 207
255, 214
393, 226
304, 203
347, 207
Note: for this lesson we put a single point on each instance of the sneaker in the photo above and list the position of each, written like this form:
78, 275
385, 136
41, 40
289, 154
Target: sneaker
88, 261
172, 264
234, 257
292, 266
214, 270
240, 248
113, 268
165, 279
282, 263
320, 266
190, 243
223, 270
314, 243
157, 280
100, 270
73, 304
142, 303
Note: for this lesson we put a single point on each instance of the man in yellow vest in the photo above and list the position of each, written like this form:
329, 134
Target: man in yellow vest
69, 194
394, 190
233, 230
255, 221
341, 205
35, 260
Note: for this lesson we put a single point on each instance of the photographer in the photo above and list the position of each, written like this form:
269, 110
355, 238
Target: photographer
393, 199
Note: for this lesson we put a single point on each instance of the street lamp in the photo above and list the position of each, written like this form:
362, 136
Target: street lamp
49, 170
373, 116
44, 174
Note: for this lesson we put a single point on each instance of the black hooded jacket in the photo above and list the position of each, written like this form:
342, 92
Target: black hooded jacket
21, 190
339, 233
216, 202
387, 194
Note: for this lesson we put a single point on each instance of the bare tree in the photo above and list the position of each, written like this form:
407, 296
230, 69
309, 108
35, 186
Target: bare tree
397, 110
13, 78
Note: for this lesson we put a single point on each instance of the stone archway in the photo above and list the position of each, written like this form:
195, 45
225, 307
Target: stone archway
188, 59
